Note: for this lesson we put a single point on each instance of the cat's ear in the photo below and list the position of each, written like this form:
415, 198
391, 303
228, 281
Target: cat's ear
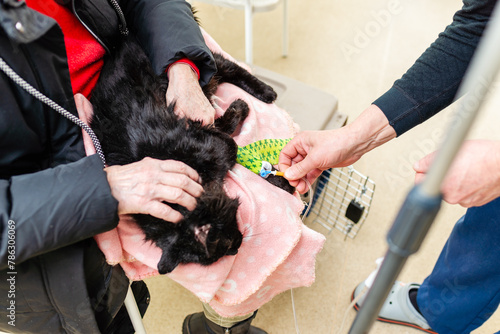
168, 262
201, 234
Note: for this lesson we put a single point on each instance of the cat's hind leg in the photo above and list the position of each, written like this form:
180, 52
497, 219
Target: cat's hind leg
236, 113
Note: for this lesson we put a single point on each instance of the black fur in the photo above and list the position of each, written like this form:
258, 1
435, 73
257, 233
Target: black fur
133, 121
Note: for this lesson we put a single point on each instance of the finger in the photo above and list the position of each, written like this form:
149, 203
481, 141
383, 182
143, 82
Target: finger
286, 162
206, 114
206, 120
299, 169
294, 158
162, 211
312, 176
203, 118
179, 109
174, 166
174, 195
209, 115
302, 187
289, 152
422, 166
452, 200
183, 182
419, 177
180, 114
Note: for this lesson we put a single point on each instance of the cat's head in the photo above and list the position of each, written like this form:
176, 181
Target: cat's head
205, 235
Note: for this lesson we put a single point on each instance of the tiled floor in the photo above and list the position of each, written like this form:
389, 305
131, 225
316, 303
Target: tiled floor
354, 50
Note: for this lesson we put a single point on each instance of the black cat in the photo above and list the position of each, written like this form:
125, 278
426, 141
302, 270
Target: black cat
132, 121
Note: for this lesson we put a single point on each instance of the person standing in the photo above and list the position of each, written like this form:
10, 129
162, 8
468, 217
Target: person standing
463, 290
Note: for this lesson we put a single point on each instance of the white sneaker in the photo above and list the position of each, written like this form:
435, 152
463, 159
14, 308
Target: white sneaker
397, 308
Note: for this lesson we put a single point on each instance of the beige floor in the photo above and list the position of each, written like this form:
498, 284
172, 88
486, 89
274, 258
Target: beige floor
328, 51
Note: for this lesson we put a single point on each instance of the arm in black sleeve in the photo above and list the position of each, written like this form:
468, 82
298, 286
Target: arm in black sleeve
54, 207
432, 82
168, 32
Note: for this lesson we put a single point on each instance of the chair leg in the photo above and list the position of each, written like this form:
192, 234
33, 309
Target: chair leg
133, 312
285, 28
248, 32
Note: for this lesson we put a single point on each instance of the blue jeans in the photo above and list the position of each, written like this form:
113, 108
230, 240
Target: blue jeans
463, 290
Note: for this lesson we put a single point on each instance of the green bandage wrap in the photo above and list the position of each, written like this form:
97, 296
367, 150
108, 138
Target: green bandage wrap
252, 155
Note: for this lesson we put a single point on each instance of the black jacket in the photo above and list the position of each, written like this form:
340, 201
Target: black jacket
431, 84
52, 197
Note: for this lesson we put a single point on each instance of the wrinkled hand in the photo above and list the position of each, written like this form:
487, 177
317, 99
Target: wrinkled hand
474, 177
184, 89
311, 152
141, 187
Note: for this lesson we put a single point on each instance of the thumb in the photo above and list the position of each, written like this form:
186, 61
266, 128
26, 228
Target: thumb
299, 169
419, 177
423, 164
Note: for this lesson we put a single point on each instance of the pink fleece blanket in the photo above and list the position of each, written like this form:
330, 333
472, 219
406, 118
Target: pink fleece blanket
278, 251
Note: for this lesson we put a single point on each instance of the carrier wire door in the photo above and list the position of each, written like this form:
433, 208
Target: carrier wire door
342, 200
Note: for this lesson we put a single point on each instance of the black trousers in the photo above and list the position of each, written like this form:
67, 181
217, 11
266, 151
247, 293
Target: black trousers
107, 287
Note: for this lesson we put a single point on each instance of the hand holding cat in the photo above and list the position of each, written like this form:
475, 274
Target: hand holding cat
185, 91
474, 177
143, 186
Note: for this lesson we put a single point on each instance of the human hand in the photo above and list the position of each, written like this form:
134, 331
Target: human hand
473, 178
311, 152
143, 186
184, 89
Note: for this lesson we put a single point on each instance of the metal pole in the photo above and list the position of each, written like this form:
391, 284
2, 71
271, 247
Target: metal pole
134, 313
285, 28
422, 203
249, 32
